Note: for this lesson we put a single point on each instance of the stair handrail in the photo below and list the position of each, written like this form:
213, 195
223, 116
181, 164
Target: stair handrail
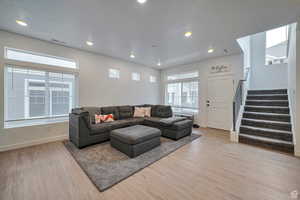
238, 97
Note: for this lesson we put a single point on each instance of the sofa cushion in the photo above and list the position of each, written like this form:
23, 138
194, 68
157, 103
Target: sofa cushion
92, 112
119, 124
135, 134
161, 111
111, 110
182, 125
100, 128
125, 112
171, 120
135, 121
165, 122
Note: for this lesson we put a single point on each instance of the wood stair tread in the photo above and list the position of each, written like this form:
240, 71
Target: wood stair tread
275, 107
269, 90
267, 94
267, 100
266, 129
267, 140
267, 121
270, 114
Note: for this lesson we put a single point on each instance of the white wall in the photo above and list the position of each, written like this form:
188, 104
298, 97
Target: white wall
245, 44
234, 61
297, 124
292, 64
294, 84
95, 88
263, 76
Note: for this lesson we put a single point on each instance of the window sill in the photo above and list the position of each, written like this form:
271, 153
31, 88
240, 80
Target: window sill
34, 122
177, 110
276, 64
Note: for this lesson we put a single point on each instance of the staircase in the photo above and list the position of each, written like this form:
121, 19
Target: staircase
266, 120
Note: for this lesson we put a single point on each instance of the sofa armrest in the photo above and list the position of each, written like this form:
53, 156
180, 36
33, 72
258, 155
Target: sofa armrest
79, 111
79, 127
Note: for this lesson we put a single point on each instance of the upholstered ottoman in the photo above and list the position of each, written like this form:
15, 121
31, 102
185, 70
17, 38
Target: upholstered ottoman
135, 140
178, 129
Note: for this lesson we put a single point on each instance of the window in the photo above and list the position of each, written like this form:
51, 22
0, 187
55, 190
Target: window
277, 45
114, 73
182, 94
26, 56
32, 94
152, 79
183, 76
136, 76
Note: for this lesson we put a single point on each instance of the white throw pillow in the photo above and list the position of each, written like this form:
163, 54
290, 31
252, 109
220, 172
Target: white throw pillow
147, 111
138, 112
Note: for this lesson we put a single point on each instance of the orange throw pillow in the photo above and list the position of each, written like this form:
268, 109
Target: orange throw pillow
104, 118
107, 118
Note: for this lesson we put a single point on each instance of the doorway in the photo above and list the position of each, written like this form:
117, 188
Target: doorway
219, 102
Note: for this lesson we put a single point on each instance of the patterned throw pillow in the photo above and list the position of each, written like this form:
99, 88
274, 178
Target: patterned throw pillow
138, 112
104, 118
97, 119
147, 111
107, 118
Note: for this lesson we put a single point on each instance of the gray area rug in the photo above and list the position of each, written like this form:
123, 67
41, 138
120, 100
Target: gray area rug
106, 166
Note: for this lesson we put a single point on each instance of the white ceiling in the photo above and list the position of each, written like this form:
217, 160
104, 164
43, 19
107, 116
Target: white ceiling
118, 27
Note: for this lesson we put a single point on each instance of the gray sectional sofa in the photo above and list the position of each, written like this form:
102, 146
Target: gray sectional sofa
83, 131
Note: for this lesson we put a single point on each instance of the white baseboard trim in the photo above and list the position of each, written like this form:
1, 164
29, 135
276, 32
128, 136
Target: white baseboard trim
33, 143
297, 153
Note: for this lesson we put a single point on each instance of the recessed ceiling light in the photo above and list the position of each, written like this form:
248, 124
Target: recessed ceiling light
132, 56
188, 34
22, 23
211, 50
89, 43
158, 64
141, 1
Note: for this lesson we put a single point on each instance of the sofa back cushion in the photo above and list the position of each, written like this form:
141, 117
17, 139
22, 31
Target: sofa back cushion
161, 111
111, 110
92, 112
125, 112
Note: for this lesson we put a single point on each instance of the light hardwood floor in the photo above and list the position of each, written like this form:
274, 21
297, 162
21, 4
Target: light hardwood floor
210, 168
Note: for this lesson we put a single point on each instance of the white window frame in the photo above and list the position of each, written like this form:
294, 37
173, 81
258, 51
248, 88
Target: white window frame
185, 80
73, 64
27, 101
70, 90
136, 76
169, 76
114, 73
152, 79
284, 59
40, 67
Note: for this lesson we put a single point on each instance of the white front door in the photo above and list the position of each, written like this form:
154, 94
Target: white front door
219, 102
